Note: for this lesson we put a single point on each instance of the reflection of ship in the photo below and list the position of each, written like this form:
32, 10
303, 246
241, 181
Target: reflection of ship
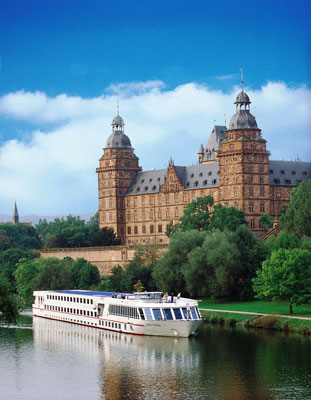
147, 313
123, 366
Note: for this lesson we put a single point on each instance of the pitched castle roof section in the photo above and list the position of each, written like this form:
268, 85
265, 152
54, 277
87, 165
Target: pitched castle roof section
192, 177
216, 137
289, 173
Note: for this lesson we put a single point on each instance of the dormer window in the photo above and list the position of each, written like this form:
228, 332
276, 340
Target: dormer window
154, 187
210, 173
282, 171
188, 184
196, 183
288, 181
214, 181
293, 172
201, 174
142, 181
304, 172
150, 180
159, 179
271, 171
137, 189
146, 187
205, 182
192, 175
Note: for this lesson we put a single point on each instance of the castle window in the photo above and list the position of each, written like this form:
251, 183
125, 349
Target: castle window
135, 201
159, 200
249, 158
110, 217
235, 159
236, 204
159, 228
167, 199
151, 228
137, 189
159, 214
104, 217
193, 195
154, 187
167, 213
261, 179
196, 183
276, 181
260, 157
135, 216
214, 181
135, 230
250, 179
129, 230
236, 179
262, 207
249, 168
271, 171
201, 174
176, 212
304, 172
226, 193
150, 179
280, 208
282, 171
293, 172
288, 181
143, 214
110, 203
278, 193
129, 216
260, 168
151, 214
236, 193
250, 192
209, 173
188, 183
185, 197
151, 200
205, 182
231, 147
142, 181
159, 179
176, 197
146, 188
252, 223
192, 175
262, 191
143, 229
143, 201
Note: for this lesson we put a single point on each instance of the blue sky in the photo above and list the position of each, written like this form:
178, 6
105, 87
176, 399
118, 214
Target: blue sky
148, 52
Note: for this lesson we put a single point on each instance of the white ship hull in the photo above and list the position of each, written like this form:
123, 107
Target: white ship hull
177, 318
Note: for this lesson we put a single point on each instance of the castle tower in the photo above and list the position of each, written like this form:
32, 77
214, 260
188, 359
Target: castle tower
15, 218
117, 167
244, 165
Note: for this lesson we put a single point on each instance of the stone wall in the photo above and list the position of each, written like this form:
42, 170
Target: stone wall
105, 258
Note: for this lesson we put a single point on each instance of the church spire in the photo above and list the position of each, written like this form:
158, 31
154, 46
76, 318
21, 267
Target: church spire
15, 214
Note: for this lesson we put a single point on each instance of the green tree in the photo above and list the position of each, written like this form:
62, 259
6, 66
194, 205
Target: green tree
8, 303
26, 271
8, 262
114, 281
22, 236
197, 214
5, 242
283, 240
226, 218
286, 275
53, 274
266, 221
171, 228
167, 272
83, 274
297, 216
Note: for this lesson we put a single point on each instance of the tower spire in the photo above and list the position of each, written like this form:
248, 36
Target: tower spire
117, 104
15, 214
242, 82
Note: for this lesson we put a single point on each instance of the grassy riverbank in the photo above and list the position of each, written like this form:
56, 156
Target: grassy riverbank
271, 321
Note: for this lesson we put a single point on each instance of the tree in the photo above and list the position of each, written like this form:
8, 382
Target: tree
286, 275
167, 272
8, 304
26, 271
8, 262
5, 242
297, 216
197, 214
53, 274
227, 218
283, 240
171, 228
83, 274
22, 236
266, 221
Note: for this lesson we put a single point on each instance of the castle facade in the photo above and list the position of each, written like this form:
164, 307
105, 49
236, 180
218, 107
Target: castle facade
234, 168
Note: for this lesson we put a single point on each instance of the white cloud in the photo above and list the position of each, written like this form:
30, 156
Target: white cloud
54, 172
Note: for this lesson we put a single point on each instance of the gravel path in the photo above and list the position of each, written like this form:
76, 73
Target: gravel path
254, 313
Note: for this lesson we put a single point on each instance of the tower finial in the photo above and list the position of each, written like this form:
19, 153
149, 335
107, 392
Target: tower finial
242, 82
225, 119
117, 104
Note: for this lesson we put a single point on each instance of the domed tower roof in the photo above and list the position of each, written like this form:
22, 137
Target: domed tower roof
243, 119
118, 139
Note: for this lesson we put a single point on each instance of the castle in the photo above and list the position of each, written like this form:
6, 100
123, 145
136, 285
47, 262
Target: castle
234, 168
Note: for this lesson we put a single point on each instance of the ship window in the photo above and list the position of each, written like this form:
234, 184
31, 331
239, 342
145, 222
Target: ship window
177, 313
194, 313
141, 313
157, 313
168, 313
186, 313
148, 314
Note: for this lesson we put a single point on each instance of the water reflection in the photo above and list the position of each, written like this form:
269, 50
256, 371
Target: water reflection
60, 360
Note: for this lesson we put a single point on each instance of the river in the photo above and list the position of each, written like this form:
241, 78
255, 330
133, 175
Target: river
51, 360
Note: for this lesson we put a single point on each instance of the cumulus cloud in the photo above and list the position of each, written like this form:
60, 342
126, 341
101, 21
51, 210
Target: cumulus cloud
54, 170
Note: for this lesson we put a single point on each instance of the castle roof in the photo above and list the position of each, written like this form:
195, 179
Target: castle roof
289, 173
191, 177
216, 137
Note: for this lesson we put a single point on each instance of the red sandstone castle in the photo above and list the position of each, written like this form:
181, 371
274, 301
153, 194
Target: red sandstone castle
234, 168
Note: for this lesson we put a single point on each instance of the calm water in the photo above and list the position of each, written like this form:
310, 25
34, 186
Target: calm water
54, 360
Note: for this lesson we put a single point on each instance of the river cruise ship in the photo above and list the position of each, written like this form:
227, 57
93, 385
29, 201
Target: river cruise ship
147, 313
